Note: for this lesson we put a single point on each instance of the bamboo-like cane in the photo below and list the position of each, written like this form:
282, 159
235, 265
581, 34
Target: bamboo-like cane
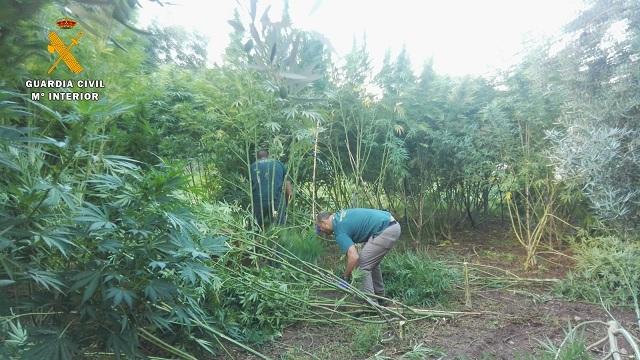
467, 289
315, 161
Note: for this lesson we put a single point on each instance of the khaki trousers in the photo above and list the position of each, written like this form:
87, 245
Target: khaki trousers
371, 255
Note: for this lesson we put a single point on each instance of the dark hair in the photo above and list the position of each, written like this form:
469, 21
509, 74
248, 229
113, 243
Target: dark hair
322, 216
263, 154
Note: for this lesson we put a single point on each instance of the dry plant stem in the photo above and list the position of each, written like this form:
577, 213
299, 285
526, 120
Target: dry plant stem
491, 267
467, 291
216, 334
13, 317
326, 281
597, 343
525, 237
224, 348
340, 313
633, 344
556, 252
315, 161
524, 280
322, 275
276, 253
379, 309
323, 317
529, 239
446, 313
513, 279
101, 355
613, 329
547, 260
566, 223
613, 344
627, 336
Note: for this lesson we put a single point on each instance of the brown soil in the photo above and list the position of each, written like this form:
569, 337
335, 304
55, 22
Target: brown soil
513, 325
522, 324
516, 330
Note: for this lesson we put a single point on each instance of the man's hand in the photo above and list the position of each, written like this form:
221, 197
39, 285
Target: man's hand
289, 191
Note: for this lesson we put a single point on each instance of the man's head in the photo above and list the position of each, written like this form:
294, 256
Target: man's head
324, 222
263, 154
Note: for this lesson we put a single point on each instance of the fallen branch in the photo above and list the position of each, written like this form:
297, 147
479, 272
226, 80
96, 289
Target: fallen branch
613, 331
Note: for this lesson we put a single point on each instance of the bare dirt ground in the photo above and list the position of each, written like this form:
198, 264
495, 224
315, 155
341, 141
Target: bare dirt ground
513, 325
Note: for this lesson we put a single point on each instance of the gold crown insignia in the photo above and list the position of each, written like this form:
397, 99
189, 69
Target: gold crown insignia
66, 23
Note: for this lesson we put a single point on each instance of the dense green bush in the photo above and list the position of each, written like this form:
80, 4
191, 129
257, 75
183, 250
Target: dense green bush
101, 252
608, 268
596, 143
303, 243
416, 279
102, 245
126, 256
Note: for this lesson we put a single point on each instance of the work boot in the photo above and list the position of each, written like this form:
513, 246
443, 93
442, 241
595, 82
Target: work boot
382, 302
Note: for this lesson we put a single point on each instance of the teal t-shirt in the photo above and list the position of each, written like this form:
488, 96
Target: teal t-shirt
358, 225
267, 178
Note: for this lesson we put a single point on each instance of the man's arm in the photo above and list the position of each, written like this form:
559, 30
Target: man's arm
352, 261
289, 190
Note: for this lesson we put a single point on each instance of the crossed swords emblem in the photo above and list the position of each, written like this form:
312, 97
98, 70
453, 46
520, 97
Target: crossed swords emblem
57, 45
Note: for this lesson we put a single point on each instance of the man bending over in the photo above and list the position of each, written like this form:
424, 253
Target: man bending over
376, 228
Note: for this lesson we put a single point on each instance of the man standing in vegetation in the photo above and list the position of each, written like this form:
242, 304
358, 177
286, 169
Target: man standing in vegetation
376, 228
268, 182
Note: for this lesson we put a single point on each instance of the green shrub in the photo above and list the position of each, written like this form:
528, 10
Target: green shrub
416, 279
115, 252
302, 243
607, 268
365, 337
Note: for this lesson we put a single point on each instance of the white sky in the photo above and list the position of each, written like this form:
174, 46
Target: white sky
462, 36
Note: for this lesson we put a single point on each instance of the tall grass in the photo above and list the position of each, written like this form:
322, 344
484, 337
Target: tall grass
574, 349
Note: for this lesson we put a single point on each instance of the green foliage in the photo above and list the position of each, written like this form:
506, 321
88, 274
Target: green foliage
171, 45
366, 337
416, 279
303, 243
419, 352
607, 269
112, 252
117, 245
290, 58
603, 159
574, 348
254, 306
597, 145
